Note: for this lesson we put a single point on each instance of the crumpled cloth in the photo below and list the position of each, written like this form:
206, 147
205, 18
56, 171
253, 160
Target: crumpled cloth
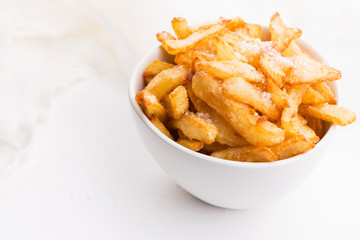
46, 47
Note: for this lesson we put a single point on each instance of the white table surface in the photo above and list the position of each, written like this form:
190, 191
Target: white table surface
89, 176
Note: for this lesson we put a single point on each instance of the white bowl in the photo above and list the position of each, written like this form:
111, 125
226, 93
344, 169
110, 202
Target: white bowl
223, 183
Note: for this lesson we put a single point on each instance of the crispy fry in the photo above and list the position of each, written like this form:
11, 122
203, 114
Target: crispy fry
224, 52
246, 154
181, 27
215, 146
242, 91
176, 103
330, 113
191, 144
291, 147
307, 70
167, 80
227, 134
196, 127
278, 96
325, 91
164, 36
287, 36
311, 96
240, 116
196, 39
154, 68
188, 58
229, 69
249, 29
159, 125
316, 125
151, 105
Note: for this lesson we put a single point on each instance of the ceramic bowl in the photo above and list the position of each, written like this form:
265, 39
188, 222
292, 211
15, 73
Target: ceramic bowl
223, 183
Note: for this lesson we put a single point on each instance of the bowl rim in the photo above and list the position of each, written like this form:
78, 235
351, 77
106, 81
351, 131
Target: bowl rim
139, 113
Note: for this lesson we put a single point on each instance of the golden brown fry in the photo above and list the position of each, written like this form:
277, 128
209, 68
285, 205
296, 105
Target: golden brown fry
196, 39
215, 146
278, 96
274, 65
325, 91
181, 27
291, 147
151, 105
191, 144
246, 154
227, 134
316, 125
154, 68
330, 113
286, 37
167, 80
242, 91
249, 29
189, 57
312, 96
164, 36
229, 69
176, 103
242, 118
307, 70
224, 52
196, 127
290, 121
159, 125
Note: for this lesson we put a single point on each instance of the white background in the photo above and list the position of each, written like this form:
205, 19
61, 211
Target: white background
90, 177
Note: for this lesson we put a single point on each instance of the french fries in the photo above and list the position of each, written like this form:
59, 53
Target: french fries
233, 96
154, 68
176, 102
196, 127
246, 154
328, 112
229, 69
166, 81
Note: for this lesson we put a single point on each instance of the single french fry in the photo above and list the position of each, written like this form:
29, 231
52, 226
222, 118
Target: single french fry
255, 129
227, 134
325, 91
154, 68
311, 96
229, 69
151, 105
215, 146
176, 103
191, 144
188, 58
181, 27
307, 70
250, 48
291, 147
290, 121
159, 125
274, 66
286, 37
330, 113
316, 125
242, 91
249, 29
167, 80
224, 52
278, 96
196, 39
196, 127
164, 36
246, 154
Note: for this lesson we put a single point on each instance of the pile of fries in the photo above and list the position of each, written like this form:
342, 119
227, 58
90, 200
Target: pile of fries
236, 97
